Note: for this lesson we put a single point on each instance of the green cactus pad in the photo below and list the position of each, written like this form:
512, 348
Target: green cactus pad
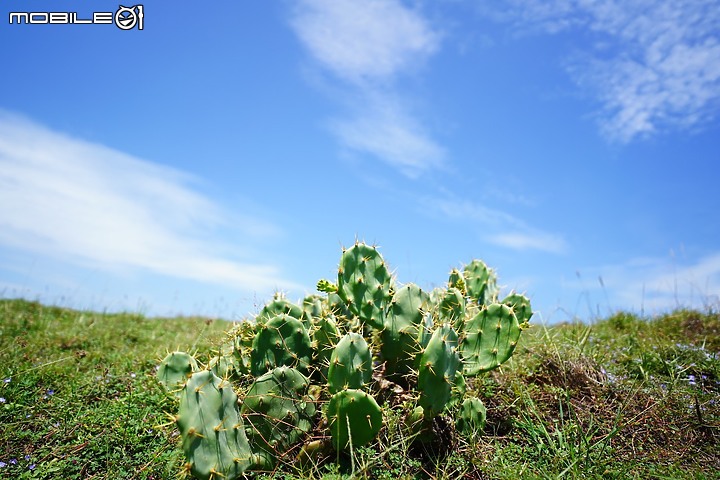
277, 411
364, 283
325, 336
353, 415
243, 335
174, 371
457, 392
490, 339
213, 435
278, 306
312, 307
520, 305
350, 363
437, 367
400, 336
480, 282
451, 308
425, 331
281, 341
226, 364
471, 419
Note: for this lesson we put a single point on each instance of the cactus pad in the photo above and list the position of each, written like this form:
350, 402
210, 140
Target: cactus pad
480, 282
471, 418
278, 306
520, 305
281, 341
174, 371
437, 368
400, 336
325, 336
457, 281
490, 339
277, 411
353, 416
213, 436
451, 308
364, 283
350, 363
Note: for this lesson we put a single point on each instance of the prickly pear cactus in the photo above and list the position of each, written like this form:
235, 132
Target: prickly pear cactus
213, 434
350, 363
354, 418
174, 371
277, 412
326, 373
520, 305
400, 342
226, 364
490, 339
278, 306
281, 341
480, 282
325, 335
471, 418
364, 284
457, 281
437, 368
451, 308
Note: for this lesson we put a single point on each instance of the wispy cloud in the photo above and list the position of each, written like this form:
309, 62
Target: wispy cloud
384, 129
367, 45
530, 239
668, 284
655, 284
655, 64
93, 206
364, 41
498, 227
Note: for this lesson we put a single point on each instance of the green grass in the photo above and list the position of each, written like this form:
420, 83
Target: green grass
625, 397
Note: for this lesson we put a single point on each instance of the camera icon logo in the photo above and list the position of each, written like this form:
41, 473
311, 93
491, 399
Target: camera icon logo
127, 18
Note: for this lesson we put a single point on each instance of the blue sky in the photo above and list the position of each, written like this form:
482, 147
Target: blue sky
225, 152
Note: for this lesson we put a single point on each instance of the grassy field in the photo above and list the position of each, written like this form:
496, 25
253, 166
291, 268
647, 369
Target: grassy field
624, 397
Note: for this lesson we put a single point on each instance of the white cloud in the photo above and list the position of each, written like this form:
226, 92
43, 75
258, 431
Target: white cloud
367, 45
530, 240
498, 227
97, 207
363, 40
383, 129
656, 64
658, 284
670, 285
